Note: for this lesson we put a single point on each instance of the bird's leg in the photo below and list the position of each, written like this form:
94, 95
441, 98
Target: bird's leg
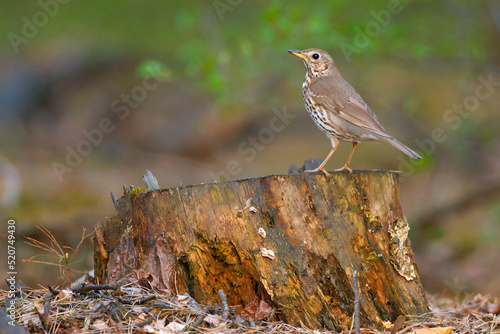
346, 166
321, 168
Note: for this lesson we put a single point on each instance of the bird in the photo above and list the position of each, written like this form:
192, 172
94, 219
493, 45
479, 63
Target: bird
337, 108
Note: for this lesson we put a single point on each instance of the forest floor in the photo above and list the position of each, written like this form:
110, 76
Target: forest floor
134, 308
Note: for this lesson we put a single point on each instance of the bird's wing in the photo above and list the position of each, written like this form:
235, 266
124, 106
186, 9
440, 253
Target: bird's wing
338, 96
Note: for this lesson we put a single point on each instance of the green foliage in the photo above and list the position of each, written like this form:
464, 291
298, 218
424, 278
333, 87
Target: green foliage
227, 52
153, 68
54, 254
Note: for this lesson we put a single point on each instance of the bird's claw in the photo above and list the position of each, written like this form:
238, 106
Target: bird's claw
320, 170
343, 169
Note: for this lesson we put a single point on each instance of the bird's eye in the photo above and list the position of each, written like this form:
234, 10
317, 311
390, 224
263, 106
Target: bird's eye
315, 56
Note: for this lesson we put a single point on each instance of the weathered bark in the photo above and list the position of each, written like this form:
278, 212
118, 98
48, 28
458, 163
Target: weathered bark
215, 236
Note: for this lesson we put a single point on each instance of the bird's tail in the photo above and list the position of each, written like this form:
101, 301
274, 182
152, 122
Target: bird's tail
403, 148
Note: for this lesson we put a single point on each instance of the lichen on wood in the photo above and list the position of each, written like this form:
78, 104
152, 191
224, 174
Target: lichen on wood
400, 250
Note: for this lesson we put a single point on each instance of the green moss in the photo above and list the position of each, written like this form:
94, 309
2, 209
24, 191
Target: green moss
138, 190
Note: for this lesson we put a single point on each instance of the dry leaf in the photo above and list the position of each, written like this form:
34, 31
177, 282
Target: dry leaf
212, 320
65, 293
264, 311
149, 329
398, 324
131, 290
137, 309
493, 308
175, 326
100, 325
434, 330
27, 317
257, 311
368, 331
165, 331
183, 298
160, 323
250, 309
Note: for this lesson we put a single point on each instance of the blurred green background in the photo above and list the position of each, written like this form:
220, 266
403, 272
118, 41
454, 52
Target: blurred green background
187, 88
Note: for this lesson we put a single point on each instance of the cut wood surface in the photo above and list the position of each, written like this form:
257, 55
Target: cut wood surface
290, 240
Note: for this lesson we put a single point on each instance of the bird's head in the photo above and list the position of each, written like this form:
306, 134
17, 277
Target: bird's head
317, 61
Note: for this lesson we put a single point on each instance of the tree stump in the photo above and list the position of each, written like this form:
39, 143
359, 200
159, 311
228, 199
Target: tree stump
290, 240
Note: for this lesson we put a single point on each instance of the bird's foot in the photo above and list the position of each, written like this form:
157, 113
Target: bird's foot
346, 167
319, 169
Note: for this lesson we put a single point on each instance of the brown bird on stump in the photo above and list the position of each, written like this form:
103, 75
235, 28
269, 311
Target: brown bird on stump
337, 109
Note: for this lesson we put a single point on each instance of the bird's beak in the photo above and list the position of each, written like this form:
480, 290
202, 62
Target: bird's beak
298, 54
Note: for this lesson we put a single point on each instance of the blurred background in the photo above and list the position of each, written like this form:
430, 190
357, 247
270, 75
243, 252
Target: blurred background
93, 93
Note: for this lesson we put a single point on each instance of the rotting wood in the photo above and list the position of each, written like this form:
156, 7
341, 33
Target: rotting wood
290, 240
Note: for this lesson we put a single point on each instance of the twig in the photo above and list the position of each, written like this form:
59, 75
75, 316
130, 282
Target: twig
356, 301
97, 306
52, 290
192, 303
200, 318
95, 287
225, 307
19, 288
138, 302
44, 318
144, 323
150, 181
127, 300
217, 309
161, 305
115, 200
114, 311
46, 304
86, 324
238, 320
145, 299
